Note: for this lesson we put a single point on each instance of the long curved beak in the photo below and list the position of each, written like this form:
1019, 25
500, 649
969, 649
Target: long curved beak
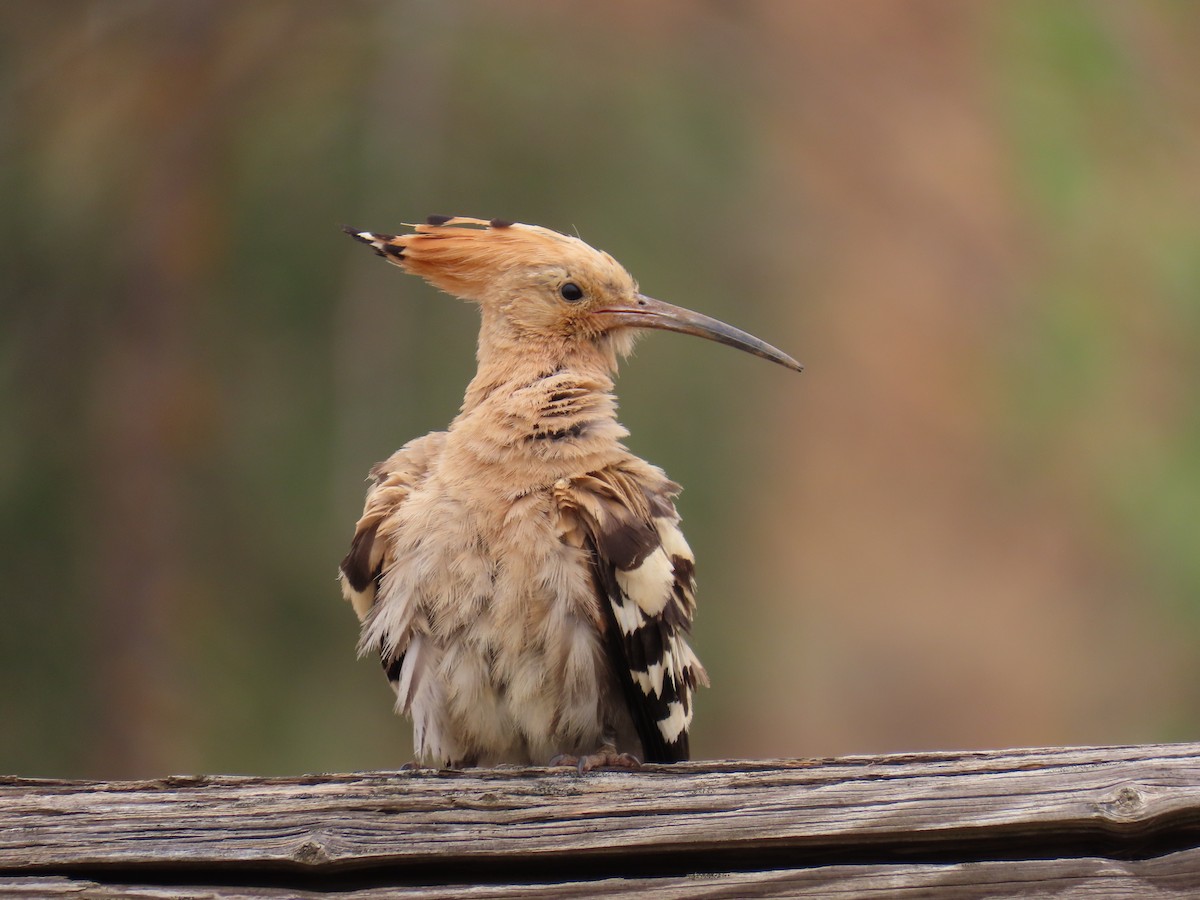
646, 312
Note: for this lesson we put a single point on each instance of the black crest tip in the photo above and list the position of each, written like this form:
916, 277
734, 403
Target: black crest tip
356, 234
437, 220
377, 241
501, 223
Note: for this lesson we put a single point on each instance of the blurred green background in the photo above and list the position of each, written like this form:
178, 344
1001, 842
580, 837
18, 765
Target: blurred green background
973, 522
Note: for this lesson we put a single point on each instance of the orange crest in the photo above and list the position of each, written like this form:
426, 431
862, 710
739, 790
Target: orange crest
463, 256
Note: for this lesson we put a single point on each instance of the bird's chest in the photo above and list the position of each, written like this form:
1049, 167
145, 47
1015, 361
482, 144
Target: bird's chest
492, 572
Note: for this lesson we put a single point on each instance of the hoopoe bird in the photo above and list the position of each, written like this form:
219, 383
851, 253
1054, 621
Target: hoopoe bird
522, 574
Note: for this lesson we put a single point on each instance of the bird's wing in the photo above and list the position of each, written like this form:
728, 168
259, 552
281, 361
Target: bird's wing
372, 548
644, 571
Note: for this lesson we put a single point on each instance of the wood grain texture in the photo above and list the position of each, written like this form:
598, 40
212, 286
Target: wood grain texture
1094, 822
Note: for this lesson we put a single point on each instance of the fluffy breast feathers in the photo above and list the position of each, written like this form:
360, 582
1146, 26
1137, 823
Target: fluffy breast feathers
639, 564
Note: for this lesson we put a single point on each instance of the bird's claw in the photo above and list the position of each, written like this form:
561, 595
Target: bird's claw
605, 757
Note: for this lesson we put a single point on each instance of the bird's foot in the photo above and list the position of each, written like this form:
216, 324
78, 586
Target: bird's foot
605, 757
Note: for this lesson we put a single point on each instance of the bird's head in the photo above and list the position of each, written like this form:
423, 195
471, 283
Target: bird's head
536, 285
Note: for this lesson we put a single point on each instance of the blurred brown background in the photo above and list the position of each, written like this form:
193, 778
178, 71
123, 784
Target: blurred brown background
973, 522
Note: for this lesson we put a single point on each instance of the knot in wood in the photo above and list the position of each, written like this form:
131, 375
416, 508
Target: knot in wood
1123, 804
311, 852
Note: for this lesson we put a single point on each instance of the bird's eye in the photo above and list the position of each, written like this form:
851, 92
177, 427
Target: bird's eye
571, 292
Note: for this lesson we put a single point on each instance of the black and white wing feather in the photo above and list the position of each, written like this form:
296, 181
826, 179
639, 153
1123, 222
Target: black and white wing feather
644, 572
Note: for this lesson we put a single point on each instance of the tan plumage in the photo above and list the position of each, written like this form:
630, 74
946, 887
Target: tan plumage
522, 575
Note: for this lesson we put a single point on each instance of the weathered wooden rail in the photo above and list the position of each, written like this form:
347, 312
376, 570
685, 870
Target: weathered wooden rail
1100, 822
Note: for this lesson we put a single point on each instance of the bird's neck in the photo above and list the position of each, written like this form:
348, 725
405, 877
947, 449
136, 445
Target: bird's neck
537, 410
532, 416
507, 365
